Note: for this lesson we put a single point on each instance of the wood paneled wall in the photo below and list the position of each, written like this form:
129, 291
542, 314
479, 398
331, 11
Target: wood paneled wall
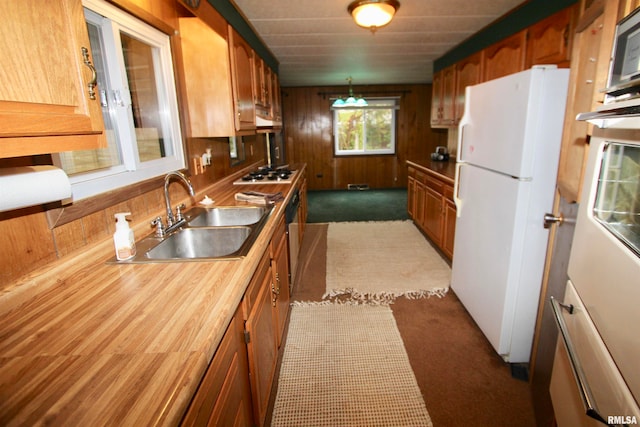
308, 133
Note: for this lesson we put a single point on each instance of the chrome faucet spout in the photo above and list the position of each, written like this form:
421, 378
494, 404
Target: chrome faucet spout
167, 180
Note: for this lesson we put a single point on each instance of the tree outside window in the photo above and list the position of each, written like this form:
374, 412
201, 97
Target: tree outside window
366, 130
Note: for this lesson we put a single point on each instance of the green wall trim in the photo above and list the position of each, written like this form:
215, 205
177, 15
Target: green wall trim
236, 20
523, 17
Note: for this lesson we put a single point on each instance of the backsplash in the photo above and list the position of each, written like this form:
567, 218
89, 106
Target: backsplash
30, 243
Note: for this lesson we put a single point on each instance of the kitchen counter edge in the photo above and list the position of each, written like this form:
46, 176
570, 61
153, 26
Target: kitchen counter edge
172, 365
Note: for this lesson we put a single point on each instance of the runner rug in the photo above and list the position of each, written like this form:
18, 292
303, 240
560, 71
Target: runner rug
346, 365
382, 260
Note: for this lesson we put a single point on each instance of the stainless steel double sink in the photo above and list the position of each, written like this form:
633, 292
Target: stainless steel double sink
218, 233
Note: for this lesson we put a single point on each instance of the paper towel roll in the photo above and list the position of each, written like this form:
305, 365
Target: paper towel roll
32, 185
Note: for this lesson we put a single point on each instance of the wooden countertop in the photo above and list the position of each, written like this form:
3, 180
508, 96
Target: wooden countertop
89, 343
444, 170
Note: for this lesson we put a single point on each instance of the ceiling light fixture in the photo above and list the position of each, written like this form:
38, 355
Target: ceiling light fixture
351, 101
373, 14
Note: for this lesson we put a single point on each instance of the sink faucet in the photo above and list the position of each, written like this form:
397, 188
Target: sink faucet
177, 221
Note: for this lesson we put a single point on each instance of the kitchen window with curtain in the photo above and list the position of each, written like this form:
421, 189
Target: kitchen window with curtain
367, 130
139, 105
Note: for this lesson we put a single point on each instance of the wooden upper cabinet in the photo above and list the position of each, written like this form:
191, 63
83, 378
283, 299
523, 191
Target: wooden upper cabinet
591, 51
46, 100
259, 90
276, 98
207, 77
242, 66
505, 57
549, 40
442, 101
626, 7
263, 86
468, 73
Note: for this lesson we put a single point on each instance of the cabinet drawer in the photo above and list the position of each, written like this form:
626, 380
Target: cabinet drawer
421, 177
435, 184
448, 192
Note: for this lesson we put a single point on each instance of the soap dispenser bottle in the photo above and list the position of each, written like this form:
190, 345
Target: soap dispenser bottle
123, 239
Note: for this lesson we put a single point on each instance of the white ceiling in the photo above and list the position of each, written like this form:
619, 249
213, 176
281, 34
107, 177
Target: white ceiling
317, 43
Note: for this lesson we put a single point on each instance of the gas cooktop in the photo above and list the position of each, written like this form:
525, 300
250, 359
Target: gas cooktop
268, 175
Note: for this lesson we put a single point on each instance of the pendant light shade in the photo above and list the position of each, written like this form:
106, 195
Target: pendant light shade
351, 101
373, 14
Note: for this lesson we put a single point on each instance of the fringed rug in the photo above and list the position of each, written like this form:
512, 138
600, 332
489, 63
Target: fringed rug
383, 260
346, 365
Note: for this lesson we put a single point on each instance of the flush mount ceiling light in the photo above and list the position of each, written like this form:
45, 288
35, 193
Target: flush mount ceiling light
351, 101
373, 14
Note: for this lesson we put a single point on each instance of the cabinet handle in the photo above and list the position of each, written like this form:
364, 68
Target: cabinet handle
274, 295
94, 76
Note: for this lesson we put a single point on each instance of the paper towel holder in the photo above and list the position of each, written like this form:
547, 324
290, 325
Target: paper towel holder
25, 186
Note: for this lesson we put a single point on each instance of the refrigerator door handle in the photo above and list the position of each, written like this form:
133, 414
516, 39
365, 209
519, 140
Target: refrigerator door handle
456, 187
461, 127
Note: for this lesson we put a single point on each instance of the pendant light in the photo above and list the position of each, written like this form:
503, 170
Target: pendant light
373, 14
351, 101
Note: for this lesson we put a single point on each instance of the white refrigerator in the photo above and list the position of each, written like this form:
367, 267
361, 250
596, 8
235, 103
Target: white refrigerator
507, 160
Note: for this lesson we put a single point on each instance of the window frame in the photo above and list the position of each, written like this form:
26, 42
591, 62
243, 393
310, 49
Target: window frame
373, 104
131, 170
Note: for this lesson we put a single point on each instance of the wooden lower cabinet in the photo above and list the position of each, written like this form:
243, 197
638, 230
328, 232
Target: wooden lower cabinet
433, 220
280, 294
236, 388
449, 227
260, 330
430, 205
224, 396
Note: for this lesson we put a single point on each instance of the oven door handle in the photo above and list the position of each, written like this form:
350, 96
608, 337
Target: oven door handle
578, 374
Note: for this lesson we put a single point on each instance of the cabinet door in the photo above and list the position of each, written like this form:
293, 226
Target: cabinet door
302, 209
207, 76
420, 194
280, 280
433, 215
436, 97
549, 39
48, 98
258, 81
411, 197
592, 46
242, 58
449, 227
261, 348
276, 98
505, 57
468, 73
448, 95
224, 397
442, 101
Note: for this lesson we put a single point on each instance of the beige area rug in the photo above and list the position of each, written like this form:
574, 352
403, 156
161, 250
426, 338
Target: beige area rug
346, 365
383, 260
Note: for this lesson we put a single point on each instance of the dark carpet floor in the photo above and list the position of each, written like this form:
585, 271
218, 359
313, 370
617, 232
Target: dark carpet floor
463, 381
357, 205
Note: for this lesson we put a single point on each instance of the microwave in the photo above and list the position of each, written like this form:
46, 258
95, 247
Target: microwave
624, 71
621, 107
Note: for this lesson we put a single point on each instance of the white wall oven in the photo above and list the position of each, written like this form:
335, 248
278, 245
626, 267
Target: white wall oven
599, 318
596, 371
